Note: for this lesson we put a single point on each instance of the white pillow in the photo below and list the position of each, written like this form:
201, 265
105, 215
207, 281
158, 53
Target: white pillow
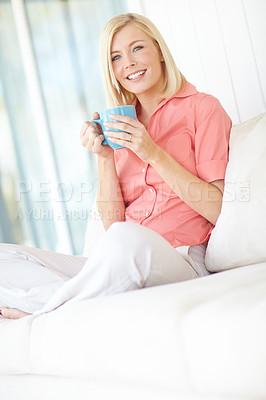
239, 237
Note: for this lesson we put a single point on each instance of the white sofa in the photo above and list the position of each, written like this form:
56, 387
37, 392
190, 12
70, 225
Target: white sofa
203, 339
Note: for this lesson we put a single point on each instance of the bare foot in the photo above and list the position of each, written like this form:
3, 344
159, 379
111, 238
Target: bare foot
12, 313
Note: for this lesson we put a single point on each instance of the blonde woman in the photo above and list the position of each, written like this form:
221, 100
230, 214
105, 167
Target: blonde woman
160, 196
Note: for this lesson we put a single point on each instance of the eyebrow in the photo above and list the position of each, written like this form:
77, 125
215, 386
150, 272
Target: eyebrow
130, 44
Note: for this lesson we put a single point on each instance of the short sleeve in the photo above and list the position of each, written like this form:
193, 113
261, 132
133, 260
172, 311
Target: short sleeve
213, 126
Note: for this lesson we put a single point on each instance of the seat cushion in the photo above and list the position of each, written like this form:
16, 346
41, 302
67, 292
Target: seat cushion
206, 335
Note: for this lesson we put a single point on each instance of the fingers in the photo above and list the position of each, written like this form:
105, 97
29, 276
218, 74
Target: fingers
120, 126
91, 139
96, 145
85, 127
135, 138
88, 124
125, 131
125, 119
89, 132
119, 136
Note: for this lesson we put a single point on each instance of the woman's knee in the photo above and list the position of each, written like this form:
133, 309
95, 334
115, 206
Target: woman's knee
127, 235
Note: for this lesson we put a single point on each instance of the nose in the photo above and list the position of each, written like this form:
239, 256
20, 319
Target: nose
129, 61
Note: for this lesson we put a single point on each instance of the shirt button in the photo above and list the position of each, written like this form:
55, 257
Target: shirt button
143, 170
148, 213
151, 189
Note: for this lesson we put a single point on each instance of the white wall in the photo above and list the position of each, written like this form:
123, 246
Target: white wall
219, 45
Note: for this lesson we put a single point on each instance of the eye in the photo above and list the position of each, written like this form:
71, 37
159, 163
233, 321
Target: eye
116, 58
137, 48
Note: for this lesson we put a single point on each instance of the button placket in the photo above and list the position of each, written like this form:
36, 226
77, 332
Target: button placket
149, 189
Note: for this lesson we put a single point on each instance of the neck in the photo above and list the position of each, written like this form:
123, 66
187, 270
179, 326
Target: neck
146, 107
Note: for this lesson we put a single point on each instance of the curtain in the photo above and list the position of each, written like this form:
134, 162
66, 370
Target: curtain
47, 191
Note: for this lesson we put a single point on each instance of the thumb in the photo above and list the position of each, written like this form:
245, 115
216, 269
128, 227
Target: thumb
95, 115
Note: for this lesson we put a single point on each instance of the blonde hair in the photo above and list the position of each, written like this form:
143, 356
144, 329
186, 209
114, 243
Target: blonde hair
174, 81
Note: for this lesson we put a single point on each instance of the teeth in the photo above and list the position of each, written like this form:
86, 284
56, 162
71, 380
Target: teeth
133, 76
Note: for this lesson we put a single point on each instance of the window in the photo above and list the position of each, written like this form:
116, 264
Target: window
50, 83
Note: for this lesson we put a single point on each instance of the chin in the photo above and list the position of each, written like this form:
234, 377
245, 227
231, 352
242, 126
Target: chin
139, 90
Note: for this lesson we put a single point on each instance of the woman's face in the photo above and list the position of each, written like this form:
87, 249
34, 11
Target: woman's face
137, 62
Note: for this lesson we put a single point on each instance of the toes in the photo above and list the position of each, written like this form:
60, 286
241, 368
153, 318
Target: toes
12, 313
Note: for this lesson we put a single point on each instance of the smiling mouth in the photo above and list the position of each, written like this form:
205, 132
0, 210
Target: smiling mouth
136, 75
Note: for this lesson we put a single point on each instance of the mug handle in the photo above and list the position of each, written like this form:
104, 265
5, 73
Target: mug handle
100, 122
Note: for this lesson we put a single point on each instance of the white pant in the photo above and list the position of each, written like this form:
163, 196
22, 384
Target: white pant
126, 257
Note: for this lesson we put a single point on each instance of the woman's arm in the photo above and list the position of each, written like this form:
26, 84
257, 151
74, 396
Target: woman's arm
205, 198
110, 201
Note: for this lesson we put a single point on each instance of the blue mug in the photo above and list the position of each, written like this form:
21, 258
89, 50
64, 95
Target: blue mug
128, 111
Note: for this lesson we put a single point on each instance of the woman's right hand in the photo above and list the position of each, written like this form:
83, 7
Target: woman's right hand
91, 137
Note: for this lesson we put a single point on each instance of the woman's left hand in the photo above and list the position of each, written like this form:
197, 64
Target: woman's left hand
134, 136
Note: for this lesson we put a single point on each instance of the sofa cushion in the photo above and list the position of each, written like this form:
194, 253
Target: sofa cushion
204, 336
239, 236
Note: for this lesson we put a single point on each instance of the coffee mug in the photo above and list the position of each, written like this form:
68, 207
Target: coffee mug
128, 111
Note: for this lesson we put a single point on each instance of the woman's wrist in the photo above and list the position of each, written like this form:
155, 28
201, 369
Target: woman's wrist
105, 160
156, 156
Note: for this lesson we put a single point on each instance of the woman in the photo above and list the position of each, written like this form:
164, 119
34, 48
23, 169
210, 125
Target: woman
168, 180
